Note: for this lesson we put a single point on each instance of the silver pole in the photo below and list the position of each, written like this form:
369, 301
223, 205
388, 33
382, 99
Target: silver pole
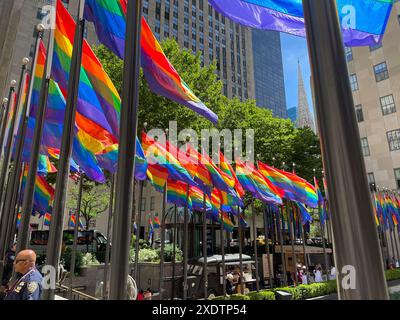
107, 257
291, 230
255, 245
126, 158
222, 239
241, 280
162, 229
267, 231
139, 225
74, 247
279, 226
185, 246
205, 266
354, 234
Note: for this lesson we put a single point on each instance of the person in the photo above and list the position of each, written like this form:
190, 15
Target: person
28, 285
333, 273
8, 266
230, 288
304, 279
290, 281
140, 295
147, 294
318, 275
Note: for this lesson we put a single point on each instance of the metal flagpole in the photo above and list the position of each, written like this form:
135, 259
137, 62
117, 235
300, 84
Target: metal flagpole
267, 231
6, 114
74, 248
291, 231
392, 244
3, 119
205, 273
279, 226
386, 244
255, 245
16, 173
6, 216
162, 229
355, 237
56, 232
322, 226
126, 158
175, 243
27, 202
185, 245
107, 256
222, 240
240, 253
139, 225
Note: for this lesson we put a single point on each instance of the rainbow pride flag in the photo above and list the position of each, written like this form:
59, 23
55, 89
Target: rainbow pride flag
197, 197
254, 182
363, 22
227, 222
99, 104
109, 18
227, 169
157, 223
321, 202
176, 194
19, 217
45, 166
156, 153
47, 219
304, 213
44, 193
108, 159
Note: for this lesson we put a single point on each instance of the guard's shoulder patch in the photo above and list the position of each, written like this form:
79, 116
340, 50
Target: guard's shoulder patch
32, 286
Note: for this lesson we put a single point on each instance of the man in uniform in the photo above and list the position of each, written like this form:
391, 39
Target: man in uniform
28, 285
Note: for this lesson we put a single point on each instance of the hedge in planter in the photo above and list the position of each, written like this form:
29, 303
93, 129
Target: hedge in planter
262, 295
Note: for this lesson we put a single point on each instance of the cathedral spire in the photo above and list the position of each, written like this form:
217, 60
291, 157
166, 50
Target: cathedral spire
304, 117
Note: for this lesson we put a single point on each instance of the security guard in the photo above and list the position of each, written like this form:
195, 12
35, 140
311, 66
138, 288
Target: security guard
28, 285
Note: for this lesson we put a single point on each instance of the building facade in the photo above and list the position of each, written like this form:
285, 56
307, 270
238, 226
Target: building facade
375, 80
292, 114
269, 81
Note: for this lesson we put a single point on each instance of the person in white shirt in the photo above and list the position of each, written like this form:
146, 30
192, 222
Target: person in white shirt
318, 275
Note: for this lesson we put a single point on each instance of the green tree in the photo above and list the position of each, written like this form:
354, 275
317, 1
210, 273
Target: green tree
95, 199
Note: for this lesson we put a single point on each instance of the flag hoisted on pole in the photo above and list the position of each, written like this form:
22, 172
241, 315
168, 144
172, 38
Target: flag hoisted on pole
355, 235
126, 156
55, 234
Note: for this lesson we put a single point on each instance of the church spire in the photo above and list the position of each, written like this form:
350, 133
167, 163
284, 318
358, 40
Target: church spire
304, 118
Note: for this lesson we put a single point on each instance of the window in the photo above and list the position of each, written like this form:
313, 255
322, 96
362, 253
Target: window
388, 105
359, 113
371, 180
349, 54
152, 203
375, 47
381, 72
353, 82
394, 139
143, 208
365, 147
397, 177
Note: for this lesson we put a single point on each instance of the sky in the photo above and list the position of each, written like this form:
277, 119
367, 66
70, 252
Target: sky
294, 48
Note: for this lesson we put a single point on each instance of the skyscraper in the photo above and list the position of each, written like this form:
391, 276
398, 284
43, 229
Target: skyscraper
292, 114
268, 72
304, 117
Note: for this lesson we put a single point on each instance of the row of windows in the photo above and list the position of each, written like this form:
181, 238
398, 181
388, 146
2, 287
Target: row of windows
387, 103
381, 73
393, 138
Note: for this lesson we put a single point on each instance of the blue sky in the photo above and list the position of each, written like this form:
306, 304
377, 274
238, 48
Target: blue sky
294, 48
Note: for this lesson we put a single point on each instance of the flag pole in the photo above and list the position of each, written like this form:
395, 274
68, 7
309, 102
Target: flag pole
174, 250
185, 245
291, 232
27, 202
355, 236
107, 256
126, 158
240, 252
222, 240
267, 228
163, 216
139, 225
56, 233
205, 271
255, 244
3, 119
279, 226
6, 216
20, 144
9, 102
74, 247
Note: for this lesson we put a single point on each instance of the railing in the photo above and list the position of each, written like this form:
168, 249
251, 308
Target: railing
65, 292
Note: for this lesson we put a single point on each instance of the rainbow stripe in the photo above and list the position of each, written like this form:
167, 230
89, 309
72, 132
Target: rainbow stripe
254, 182
304, 190
45, 166
228, 170
158, 176
99, 105
109, 18
321, 202
197, 197
44, 193
158, 154
177, 194
157, 223
366, 27
304, 213
227, 222
47, 219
